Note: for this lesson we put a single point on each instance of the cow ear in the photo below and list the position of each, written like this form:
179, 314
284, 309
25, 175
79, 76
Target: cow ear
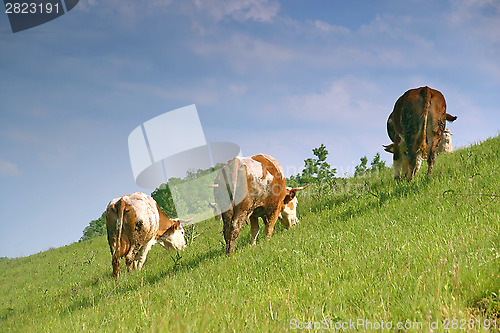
290, 195
175, 225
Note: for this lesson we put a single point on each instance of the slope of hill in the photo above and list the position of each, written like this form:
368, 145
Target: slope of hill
368, 251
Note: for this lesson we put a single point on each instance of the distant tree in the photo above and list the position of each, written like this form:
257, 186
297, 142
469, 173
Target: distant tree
360, 169
315, 169
95, 228
376, 165
164, 199
4, 258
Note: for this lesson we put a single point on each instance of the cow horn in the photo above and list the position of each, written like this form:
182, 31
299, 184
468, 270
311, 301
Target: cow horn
389, 148
182, 221
301, 188
213, 185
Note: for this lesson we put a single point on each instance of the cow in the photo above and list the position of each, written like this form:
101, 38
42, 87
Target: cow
445, 144
249, 188
416, 127
134, 224
287, 217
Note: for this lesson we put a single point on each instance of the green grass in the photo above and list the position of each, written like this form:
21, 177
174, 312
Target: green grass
366, 248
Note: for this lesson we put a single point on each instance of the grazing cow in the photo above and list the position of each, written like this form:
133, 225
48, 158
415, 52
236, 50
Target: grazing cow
445, 144
135, 223
249, 188
288, 216
416, 128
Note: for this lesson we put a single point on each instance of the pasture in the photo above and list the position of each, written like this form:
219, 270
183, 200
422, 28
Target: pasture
367, 248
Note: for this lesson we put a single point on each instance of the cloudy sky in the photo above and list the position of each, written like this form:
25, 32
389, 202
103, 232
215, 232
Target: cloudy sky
275, 77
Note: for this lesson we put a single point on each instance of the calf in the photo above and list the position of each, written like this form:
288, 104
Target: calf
249, 188
135, 223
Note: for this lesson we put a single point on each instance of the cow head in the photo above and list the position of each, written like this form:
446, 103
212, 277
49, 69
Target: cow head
173, 238
291, 192
445, 142
288, 215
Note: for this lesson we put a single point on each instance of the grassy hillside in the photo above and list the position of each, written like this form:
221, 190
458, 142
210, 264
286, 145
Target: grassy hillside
366, 249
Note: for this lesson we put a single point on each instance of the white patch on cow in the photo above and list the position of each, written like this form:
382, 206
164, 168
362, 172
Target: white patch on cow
140, 258
269, 178
288, 216
145, 211
173, 240
254, 168
445, 142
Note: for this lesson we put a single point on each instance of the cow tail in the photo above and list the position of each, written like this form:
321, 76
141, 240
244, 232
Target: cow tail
427, 99
236, 168
120, 205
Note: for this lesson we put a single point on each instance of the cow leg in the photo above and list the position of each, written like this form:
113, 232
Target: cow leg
140, 258
405, 163
397, 169
432, 155
130, 257
115, 261
397, 158
232, 231
418, 163
270, 222
254, 227
412, 168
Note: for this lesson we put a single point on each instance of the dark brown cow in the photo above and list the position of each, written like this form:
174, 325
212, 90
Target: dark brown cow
416, 126
249, 188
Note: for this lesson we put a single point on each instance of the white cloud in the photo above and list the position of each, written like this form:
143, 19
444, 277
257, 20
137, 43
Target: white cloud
241, 10
207, 91
238, 89
476, 19
328, 28
344, 101
8, 169
245, 53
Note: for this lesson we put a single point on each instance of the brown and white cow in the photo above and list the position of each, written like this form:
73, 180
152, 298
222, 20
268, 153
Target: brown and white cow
135, 223
249, 188
416, 127
287, 217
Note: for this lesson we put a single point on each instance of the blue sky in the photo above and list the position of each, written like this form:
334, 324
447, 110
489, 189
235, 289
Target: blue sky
274, 77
